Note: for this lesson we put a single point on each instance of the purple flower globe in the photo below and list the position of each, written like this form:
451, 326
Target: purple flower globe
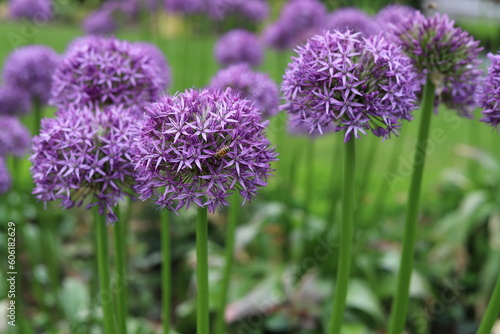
82, 155
254, 86
392, 15
297, 127
239, 46
99, 71
353, 19
199, 147
447, 54
30, 68
15, 139
37, 10
489, 94
158, 57
185, 6
5, 180
14, 101
253, 10
359, 85
100, 22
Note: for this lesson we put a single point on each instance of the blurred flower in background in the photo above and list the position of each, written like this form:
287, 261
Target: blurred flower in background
489, 93
14, 101
255, 86
392, 15
39, 10
15, 139
30, 68
353, 19
253, 10
185, 6
5, 179
100, 22
239, 46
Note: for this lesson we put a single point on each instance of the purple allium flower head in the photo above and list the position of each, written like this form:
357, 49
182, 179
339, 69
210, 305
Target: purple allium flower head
298, 20
100, 22
152, 51
102, 71
353, 19
447, 54
5, 180
39, 10
357, 84
15, 139
488, 95
298, 127
254, 10
30, 68
392, 15
14, 101
185, 6
83, 154
239, 46
255, 86
200, 146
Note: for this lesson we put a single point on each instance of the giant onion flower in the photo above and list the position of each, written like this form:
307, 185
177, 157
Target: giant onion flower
489, 94
199, 147
5, 179
359, 85
39, 10
14, 101
353, 19
239, 46
15, 139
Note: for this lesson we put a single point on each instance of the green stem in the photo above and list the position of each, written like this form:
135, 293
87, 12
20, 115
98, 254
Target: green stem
166, 279
38, 111
228, 257
492, 311
308, 193
401, 300
202, 270
346, 238
103, 264
121, 268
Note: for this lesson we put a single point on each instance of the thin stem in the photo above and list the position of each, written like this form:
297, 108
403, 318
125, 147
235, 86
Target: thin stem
308, 193
401, 300
103, 264
202, 270
121, 268
492, 311
38, 111
346, 238
166, 279
234, 209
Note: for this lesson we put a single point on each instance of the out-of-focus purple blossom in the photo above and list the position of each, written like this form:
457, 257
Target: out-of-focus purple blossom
299, 20
100, 22
100, 71
448, 54
38, 10
353, 19
239, 46
30, 68
392, 15
82, 155
151, 50
253, 10
14, 101
199, 147
5, 180
15, 139
358, 85
489, 94
185, 6
255, 86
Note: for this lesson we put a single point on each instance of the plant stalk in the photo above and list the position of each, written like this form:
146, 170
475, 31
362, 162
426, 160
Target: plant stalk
202, 270
492, 311
166, 279
121, 268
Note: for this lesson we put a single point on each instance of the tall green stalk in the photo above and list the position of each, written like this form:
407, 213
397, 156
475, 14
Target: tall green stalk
233, 216
492, 311
401, 299
308, 193
166, 280
202, 323
38, 112
346, 238
104, 276
121, 268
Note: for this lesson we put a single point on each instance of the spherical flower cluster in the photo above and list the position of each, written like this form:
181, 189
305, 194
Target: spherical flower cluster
489, 95
444, 52
298, 127
299, 19
14, 101
83, 154
102, 71
15, 139
200, 146
392, 15
157, 56
255, 86
5, 180
253, 10
185, 6
100, 22
239, 46
30, 68
357, 84
39, 10
353, 19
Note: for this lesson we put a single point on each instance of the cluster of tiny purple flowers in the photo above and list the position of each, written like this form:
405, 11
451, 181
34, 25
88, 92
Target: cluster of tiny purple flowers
239, 46
14, 137
489, 95
255, 86
84, 155
14, 101
198, 147
5, 180
353, 19
39, 10
357, 84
